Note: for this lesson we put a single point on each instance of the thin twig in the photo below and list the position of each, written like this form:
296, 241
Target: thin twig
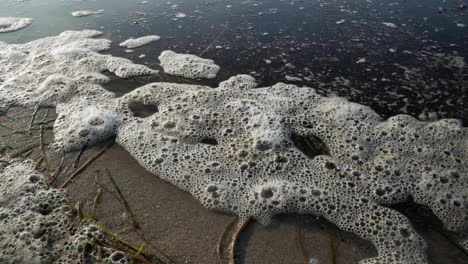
7, 127
221, 238
25, 131
232, 247
446, 236
96, 199
300, 242
112, 235
96, 176
79, 211
39, 162
78, 157
87, 164
25, 155
211, 44
57, 170
31, 122
24, 150
119, 197
132, 220
43, 152
140, 250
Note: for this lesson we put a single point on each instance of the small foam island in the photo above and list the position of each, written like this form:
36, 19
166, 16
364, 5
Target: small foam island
10, 24
234, 147
83, 13
132, 43
187, 65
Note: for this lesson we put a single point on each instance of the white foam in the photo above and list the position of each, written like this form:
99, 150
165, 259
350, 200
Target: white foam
389, 24
235, 147
10, 24
84, 13
138, 42
36, 224
73, 77
187, 65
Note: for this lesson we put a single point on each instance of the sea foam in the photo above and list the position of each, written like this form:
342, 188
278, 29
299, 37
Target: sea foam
255, 152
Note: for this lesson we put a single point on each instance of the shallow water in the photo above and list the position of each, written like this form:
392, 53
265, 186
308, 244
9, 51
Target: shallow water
338, 47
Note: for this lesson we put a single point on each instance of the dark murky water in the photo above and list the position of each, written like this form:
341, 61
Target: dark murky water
336, 46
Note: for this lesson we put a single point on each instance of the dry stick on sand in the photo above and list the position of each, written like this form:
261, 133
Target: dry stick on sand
38, 162
24, 150
133, 222
7, 127
221, 238
235, 235
300, 243
96, 200
31, 122
43, 152
118, 239
57, 170
96, 180
78, 157
87, 164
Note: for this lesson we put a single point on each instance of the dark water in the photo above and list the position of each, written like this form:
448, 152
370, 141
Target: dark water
416, 68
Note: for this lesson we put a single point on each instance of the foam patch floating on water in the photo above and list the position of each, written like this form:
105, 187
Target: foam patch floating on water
138, 42
187, 65
10, 24
83, 13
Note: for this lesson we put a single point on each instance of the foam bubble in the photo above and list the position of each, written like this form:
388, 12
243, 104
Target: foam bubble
10, 24
138, 42
83, 13
187, 65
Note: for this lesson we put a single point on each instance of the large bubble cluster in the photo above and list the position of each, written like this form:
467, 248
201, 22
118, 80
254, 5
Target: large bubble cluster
36, 224
232, 147
255, 151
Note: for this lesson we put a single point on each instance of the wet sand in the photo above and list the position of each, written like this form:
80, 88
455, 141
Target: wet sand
179, 226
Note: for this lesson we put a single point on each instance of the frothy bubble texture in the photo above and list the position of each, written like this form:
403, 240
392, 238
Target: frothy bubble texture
138, 42
9, 24
36, 225
83, 13
240, 149
232, 147
187, 65
65, 71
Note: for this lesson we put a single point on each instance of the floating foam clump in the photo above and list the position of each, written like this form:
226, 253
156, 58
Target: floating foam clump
138, 42
36, 225
9, 24
187, 65
83, 13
